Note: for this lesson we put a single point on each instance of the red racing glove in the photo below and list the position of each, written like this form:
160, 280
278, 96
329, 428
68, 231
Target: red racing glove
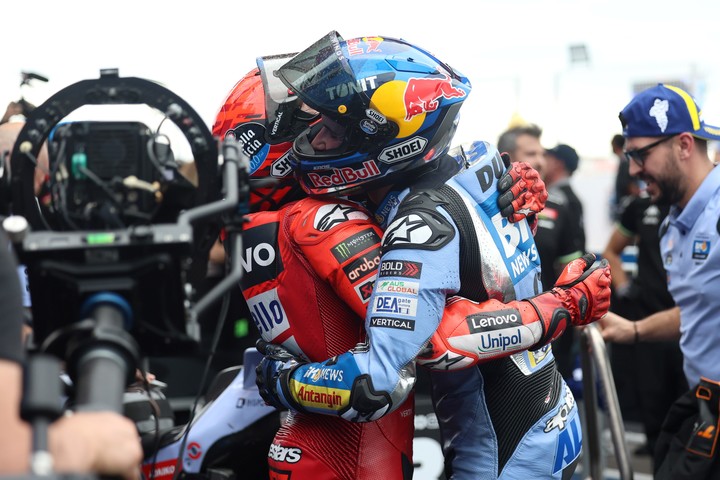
522, 192
471, 333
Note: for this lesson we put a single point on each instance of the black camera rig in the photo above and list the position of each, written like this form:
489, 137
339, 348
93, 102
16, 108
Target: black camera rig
110, 258
140, 263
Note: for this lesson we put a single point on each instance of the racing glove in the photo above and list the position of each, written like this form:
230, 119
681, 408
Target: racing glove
522, 192
273, 370
471, 332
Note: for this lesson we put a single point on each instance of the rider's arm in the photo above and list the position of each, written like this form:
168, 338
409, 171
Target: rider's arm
342, 244
405, 308
471, 332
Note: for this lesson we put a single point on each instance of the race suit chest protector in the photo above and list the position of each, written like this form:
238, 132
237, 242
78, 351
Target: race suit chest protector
534, 391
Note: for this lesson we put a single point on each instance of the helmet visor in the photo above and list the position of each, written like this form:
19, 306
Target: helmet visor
286, 114
322, 77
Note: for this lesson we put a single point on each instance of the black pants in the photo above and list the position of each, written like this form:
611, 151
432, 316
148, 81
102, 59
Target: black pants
649, 376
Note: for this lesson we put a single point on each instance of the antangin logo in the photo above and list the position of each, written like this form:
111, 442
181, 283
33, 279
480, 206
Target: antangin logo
320, 397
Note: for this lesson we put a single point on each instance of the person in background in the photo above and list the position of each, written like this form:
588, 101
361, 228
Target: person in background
13, 109
666, 142
522, 143
561, 238
561, 162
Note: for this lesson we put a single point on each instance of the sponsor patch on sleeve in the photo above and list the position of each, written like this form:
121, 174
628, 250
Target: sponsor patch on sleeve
363, 266
395, 305
400, 268
355, 244
320, 397
398, 286
390, 322
364, 290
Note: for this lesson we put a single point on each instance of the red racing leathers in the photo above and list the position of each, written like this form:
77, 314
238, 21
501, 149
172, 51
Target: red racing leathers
309, 272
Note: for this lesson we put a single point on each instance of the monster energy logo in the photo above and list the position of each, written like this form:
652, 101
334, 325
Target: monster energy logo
342, 250
355, 245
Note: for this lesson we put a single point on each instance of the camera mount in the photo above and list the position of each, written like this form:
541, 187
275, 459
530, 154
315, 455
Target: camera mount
149, 265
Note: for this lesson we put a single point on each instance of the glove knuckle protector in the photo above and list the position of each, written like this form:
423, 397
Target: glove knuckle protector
523, 193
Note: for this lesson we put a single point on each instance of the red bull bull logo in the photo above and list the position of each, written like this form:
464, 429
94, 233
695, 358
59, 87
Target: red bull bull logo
422, 94
357, 46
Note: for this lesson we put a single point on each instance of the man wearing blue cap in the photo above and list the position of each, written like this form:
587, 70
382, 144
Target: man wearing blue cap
666, 144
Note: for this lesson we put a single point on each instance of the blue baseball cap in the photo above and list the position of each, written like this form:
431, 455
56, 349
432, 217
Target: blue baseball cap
665, 110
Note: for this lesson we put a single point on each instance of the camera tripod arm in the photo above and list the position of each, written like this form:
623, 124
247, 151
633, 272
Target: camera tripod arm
235, 186
235, 162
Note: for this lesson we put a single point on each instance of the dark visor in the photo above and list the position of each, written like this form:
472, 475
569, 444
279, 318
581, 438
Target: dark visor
322, 77
280, 104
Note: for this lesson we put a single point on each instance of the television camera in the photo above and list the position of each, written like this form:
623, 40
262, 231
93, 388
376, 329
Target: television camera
112, 245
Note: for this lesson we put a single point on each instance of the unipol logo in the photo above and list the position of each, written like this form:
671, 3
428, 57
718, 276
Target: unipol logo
261, 255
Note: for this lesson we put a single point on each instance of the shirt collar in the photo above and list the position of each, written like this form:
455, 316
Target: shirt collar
686, 217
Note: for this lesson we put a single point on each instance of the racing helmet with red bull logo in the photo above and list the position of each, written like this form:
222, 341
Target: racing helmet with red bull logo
265, 118
396, 106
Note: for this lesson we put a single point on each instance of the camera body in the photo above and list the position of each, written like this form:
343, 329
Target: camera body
107, 231
112, 151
